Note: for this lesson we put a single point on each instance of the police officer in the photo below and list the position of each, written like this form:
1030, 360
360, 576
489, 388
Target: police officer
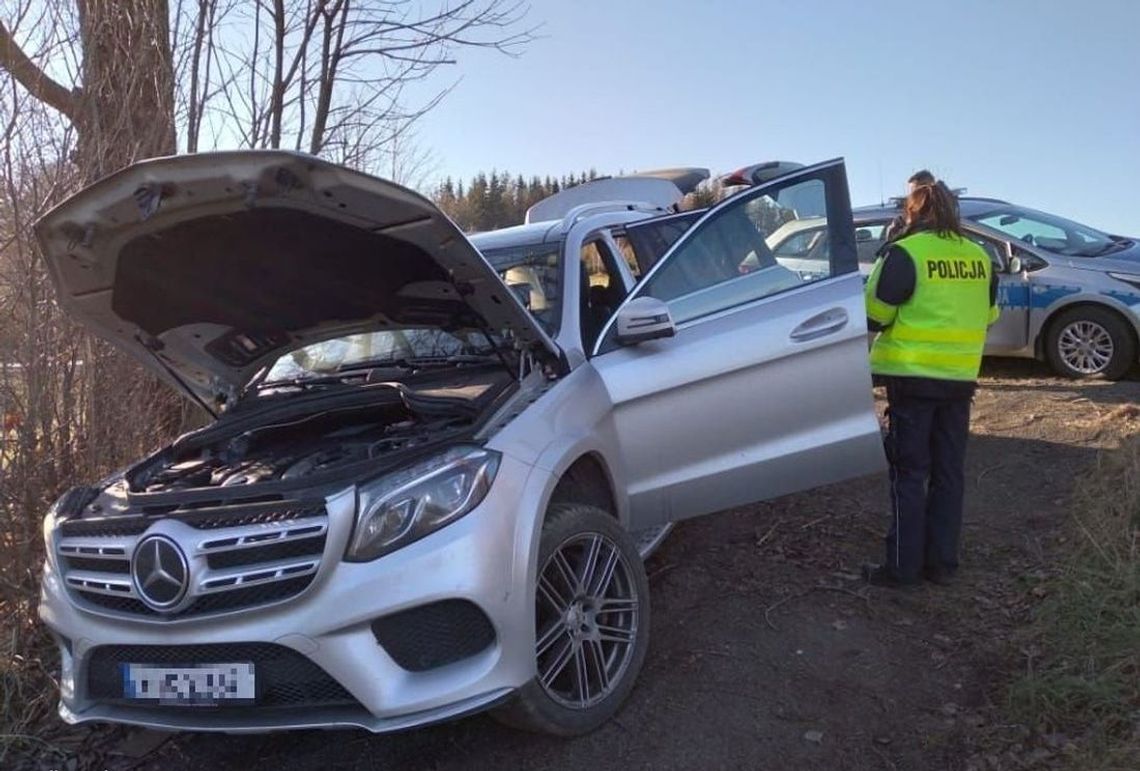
896, 226
931, 298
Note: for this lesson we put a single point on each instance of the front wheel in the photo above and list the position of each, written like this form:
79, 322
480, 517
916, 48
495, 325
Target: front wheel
591, 624
1089, 342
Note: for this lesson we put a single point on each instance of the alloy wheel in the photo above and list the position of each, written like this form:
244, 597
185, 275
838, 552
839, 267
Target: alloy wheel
1086, 347
586, 620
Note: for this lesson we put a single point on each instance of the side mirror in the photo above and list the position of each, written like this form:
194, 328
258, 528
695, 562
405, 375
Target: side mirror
1015, 265
644, 318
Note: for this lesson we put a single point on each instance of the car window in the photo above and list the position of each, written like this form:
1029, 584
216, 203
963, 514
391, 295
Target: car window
652, 238
628, 253
1049, 232
1029, 230
868, 241
994, 249
533, 272
392, 345
737, 255
602, 290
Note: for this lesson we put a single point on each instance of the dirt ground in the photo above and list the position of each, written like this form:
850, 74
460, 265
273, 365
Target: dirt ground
767, 650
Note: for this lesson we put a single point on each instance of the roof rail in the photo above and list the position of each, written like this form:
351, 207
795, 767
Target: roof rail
983, 198
580, 212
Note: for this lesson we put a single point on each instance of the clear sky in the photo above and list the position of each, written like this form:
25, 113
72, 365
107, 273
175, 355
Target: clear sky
1036, 101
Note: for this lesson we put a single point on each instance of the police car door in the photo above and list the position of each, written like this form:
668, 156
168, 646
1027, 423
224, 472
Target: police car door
765, 388
1010, 333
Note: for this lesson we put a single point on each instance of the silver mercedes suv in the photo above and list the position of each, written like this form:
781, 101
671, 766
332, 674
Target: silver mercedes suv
436, 463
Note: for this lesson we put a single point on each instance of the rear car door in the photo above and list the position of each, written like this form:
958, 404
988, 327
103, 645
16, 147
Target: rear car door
765, 389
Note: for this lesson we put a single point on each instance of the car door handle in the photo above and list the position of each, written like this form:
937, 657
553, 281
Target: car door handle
821, 325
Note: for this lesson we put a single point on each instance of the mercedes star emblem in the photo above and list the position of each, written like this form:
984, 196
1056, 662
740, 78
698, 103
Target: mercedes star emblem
160, 571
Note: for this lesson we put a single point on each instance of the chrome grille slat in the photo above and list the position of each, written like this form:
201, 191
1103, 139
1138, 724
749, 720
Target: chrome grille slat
113, 584
249, 536
233, 567
113, 547
253, 575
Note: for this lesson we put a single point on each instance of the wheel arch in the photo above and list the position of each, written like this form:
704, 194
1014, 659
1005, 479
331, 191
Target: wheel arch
587, 479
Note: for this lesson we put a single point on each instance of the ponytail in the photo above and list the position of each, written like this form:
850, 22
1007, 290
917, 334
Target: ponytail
932, 207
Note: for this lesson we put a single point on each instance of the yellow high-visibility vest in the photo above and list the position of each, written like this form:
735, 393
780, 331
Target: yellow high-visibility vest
941, 330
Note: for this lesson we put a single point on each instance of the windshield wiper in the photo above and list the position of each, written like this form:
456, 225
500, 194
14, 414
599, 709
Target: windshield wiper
359, 369
305, 383
419, 362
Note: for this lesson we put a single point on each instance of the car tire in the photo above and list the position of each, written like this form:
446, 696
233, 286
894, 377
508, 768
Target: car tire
1090, 342
603, 624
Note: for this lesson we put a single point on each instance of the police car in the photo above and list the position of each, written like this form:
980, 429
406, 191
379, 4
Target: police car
1069, 294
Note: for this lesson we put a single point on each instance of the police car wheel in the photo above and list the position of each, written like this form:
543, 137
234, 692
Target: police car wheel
1090, 342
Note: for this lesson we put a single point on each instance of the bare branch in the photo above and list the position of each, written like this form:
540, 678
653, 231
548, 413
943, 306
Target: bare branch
31, 77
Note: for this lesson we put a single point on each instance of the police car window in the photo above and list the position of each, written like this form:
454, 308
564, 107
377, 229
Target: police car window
992, 248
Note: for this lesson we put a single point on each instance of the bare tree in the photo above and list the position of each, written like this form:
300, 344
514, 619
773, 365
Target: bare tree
339, 78
122, 103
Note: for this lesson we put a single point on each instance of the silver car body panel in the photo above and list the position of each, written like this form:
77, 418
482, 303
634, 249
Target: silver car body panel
739, 406
725, 383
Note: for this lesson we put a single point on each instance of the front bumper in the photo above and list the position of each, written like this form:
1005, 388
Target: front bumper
484, 558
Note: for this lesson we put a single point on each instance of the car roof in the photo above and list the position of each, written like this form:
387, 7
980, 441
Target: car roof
969, 206
534, 233
615, 213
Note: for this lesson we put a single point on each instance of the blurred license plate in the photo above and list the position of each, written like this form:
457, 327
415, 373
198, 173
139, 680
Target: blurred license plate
194, 685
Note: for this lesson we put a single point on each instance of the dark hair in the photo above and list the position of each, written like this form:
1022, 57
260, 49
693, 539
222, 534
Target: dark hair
921, 177
932, 207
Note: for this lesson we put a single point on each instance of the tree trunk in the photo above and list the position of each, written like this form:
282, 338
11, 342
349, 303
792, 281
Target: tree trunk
125, 110
124, 113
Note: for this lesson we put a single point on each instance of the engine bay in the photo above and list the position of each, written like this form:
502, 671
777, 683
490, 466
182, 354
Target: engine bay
381, 421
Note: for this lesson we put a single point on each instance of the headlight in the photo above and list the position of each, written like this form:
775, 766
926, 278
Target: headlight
407, 505
1127, 278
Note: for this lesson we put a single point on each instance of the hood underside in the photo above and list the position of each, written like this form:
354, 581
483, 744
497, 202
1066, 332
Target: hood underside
208, 267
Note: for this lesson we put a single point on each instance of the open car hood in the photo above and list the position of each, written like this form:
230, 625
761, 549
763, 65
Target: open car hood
208, 267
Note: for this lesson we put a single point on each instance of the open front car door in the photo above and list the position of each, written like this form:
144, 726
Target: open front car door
733, 385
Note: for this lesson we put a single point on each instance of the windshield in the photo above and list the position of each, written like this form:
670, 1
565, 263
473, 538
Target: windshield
392, 345
1054, 234
534, 273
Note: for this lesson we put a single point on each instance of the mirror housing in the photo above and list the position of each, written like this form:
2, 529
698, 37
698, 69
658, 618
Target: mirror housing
642, 319
1015, 265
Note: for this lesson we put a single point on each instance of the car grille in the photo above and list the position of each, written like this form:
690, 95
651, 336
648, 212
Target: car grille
240, 557
430, 636
283, 677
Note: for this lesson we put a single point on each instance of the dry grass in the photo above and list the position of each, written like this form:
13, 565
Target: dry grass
1086, 684
28, 690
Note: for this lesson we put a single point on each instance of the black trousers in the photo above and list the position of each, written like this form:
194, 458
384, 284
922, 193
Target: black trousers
926, 447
